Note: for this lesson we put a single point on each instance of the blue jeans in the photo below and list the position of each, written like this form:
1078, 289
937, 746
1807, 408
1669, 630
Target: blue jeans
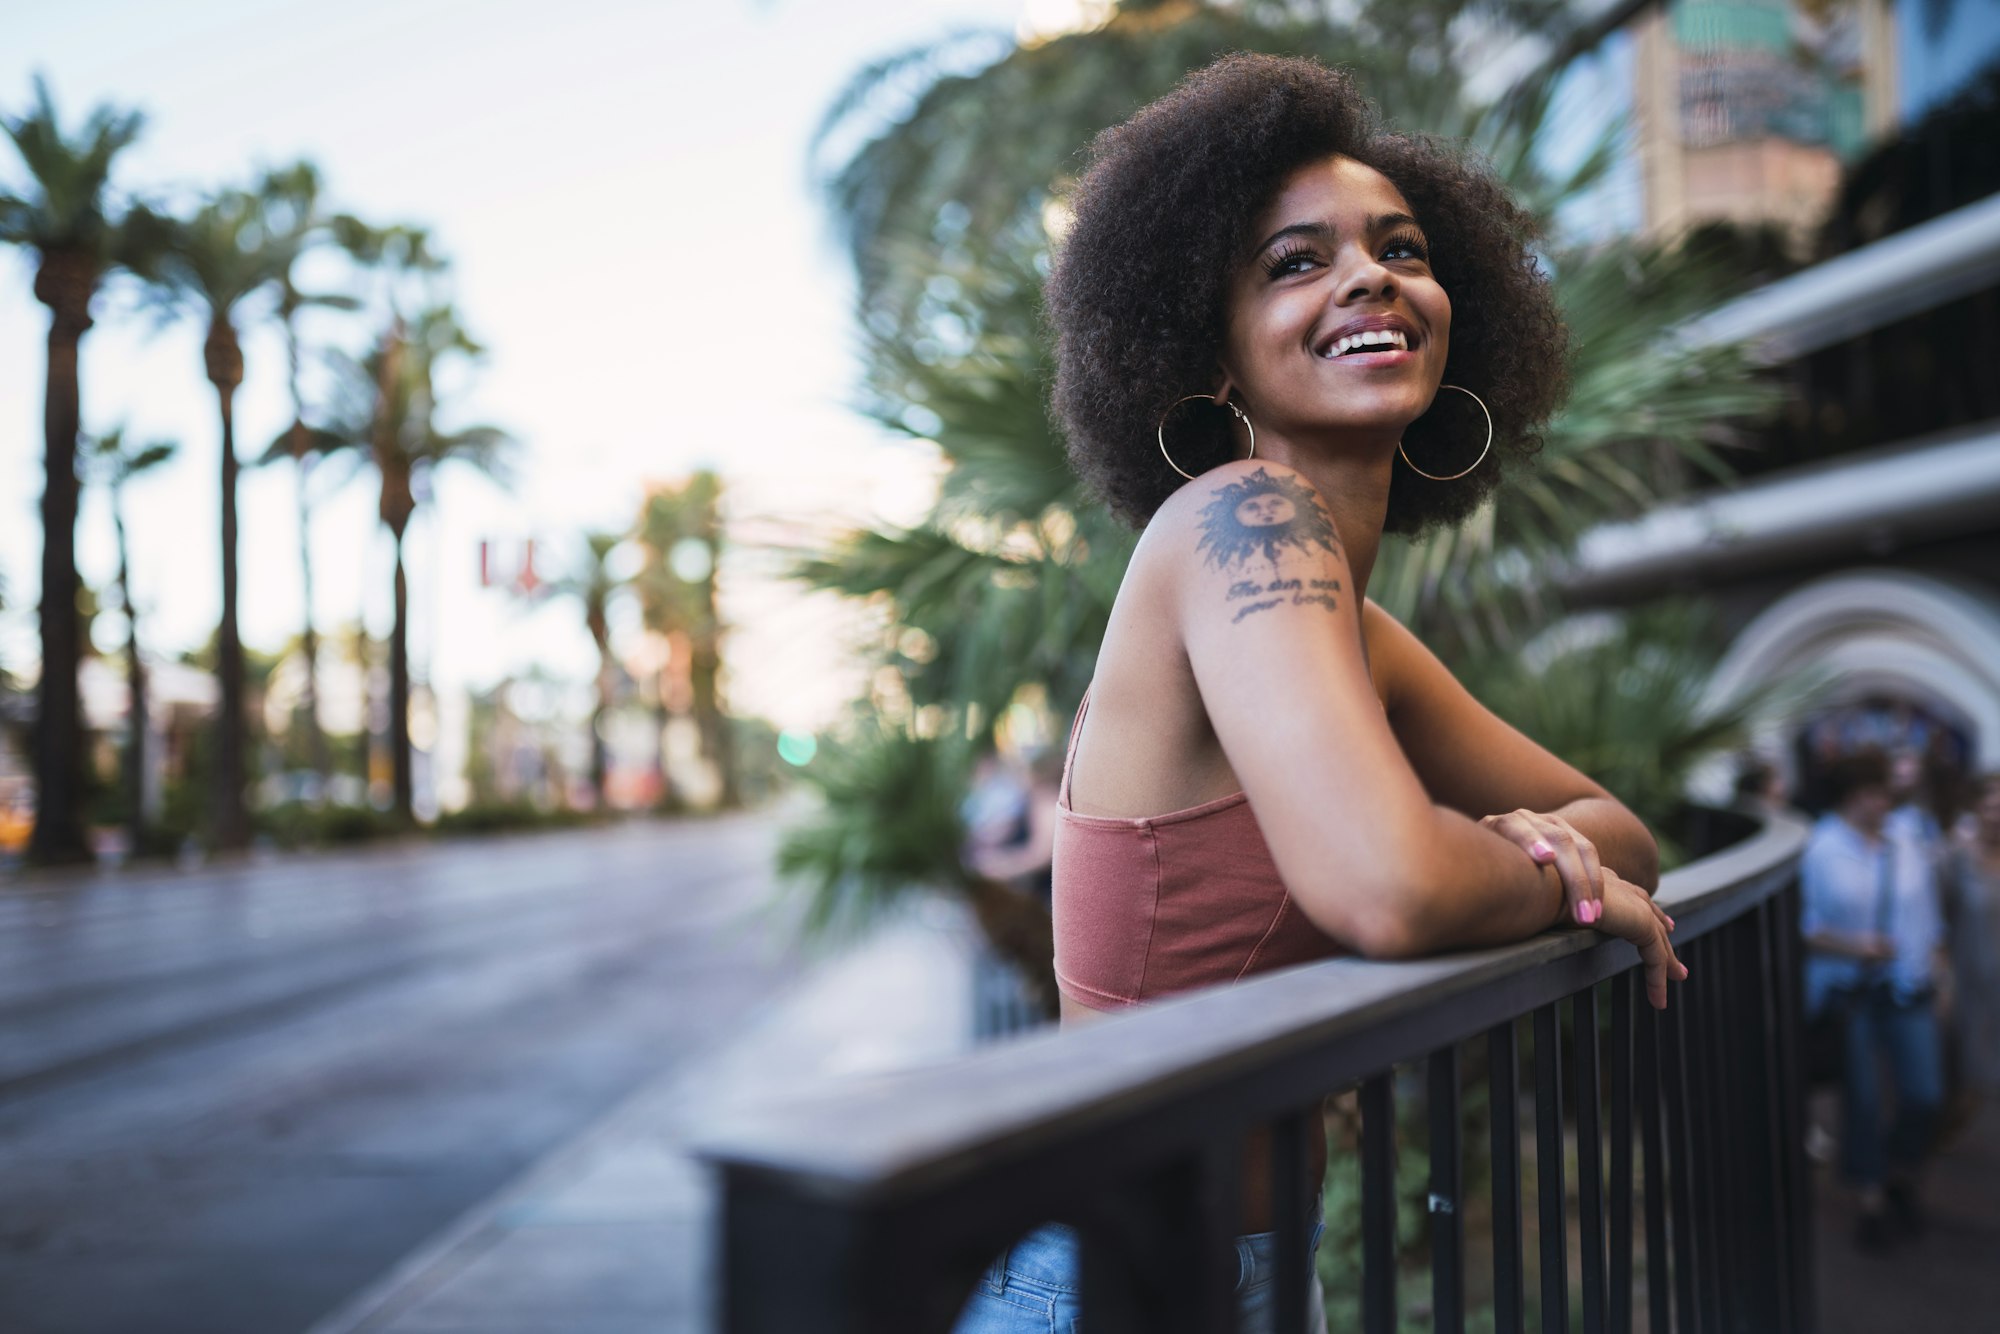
1906, 1032
1034, 1286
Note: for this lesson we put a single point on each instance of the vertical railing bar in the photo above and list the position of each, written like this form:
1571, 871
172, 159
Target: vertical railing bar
1378, 1205
1759, 1151
1620, 1295
1775, 1249
1549, 1196
1712, 1113
1589, 1158
1290, 1200
1446, 1197
1505, 1090
1795, 1204
1652, 1141
1805, 1294
1681, 1168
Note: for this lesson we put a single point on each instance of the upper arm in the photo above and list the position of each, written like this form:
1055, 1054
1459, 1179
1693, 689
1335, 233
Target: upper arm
1267, 612
1469, 757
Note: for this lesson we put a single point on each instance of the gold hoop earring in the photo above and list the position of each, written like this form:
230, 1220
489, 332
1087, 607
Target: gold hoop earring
1482, 453
1241, 416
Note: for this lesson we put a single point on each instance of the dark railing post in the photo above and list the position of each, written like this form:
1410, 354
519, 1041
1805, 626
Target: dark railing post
1682, 1166
1288, 1200
1504, 1079
1589, 1159
1620, 1296
1652, 1139
1446, 1203
1549, 1196
1378, 1205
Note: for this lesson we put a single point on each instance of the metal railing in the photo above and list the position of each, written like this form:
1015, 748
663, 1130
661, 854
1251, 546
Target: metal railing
875, 1205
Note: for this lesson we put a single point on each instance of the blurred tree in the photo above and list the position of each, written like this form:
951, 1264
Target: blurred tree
680, 534
951, 206
207, 265
384, 416
593, 583
77, 234
297, 221
112, 463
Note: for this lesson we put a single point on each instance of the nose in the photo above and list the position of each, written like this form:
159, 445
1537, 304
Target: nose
1370, 277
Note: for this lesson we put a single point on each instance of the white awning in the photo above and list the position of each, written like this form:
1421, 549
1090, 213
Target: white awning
1915, 270
1855, 505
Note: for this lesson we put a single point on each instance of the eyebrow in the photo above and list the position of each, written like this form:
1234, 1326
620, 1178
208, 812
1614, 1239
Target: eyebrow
1325, 231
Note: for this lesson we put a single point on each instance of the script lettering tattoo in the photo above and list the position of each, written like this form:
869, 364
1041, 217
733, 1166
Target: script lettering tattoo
1272, 517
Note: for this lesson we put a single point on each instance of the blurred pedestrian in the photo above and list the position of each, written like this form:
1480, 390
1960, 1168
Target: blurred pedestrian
1873, 933
1024, 857
1972, 903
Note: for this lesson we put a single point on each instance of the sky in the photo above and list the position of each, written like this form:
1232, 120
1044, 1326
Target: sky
623, 190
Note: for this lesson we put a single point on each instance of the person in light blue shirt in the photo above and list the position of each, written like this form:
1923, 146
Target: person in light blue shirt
1873, 930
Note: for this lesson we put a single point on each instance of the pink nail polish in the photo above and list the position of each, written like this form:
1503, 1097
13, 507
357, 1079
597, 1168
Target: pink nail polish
1596, 911
1541, 849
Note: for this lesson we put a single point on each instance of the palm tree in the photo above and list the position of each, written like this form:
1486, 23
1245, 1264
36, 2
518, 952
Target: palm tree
291, 198
76, 234
207, 265
593, 584
680, 532
112, 463
386, 413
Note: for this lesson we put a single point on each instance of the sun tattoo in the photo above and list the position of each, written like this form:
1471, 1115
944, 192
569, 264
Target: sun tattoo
1263, 513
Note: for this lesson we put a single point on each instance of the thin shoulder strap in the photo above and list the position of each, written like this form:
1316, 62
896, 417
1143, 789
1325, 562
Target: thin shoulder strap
1069, 754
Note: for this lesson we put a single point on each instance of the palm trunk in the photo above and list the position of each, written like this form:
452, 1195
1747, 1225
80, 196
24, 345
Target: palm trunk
64, 283
135, 683
399, 694
231, 816
316, 751
600, 759
322, 762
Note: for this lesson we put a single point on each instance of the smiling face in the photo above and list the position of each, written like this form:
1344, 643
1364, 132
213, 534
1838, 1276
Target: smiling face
1336, 247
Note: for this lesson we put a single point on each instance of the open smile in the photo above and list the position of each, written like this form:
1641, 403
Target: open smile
1378, 341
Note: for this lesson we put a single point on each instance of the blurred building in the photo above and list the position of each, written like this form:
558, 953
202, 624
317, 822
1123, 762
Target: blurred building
1748, 110
1863, 538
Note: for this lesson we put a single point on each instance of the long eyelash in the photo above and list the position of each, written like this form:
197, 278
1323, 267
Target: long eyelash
1414, 242
1277, 262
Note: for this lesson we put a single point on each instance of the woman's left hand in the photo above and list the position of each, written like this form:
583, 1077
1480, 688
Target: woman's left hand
1551, 839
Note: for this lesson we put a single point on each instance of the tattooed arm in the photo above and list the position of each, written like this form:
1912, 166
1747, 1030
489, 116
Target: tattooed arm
1272, 629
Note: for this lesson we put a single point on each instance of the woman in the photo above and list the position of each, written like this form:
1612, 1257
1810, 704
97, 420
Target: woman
1873, 937
1267, 768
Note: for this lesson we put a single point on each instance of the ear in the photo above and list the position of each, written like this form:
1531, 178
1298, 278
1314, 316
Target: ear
1225, 386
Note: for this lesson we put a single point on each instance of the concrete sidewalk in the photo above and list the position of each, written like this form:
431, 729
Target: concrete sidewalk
612, 1233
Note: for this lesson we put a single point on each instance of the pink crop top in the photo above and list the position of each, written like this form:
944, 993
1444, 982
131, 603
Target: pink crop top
1149, 905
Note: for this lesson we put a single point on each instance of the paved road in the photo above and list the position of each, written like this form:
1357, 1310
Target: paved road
231, 1098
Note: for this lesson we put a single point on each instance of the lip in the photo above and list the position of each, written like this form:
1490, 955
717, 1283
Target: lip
1365, 324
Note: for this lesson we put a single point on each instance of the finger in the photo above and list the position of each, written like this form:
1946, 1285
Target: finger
1595, 869
1661, 965
1579, 883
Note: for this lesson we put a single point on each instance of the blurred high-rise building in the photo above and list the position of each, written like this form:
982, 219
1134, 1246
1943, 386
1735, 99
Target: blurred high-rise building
1748, 110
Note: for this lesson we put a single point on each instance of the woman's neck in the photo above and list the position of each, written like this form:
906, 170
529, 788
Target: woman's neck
1353, 480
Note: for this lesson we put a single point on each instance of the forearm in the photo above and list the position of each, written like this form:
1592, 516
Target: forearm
1479, 890
1624, 844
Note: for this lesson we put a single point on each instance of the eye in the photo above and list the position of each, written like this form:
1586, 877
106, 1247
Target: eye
1280, 264
1409, 242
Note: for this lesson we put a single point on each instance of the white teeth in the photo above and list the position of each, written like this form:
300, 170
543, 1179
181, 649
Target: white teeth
1382, 338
